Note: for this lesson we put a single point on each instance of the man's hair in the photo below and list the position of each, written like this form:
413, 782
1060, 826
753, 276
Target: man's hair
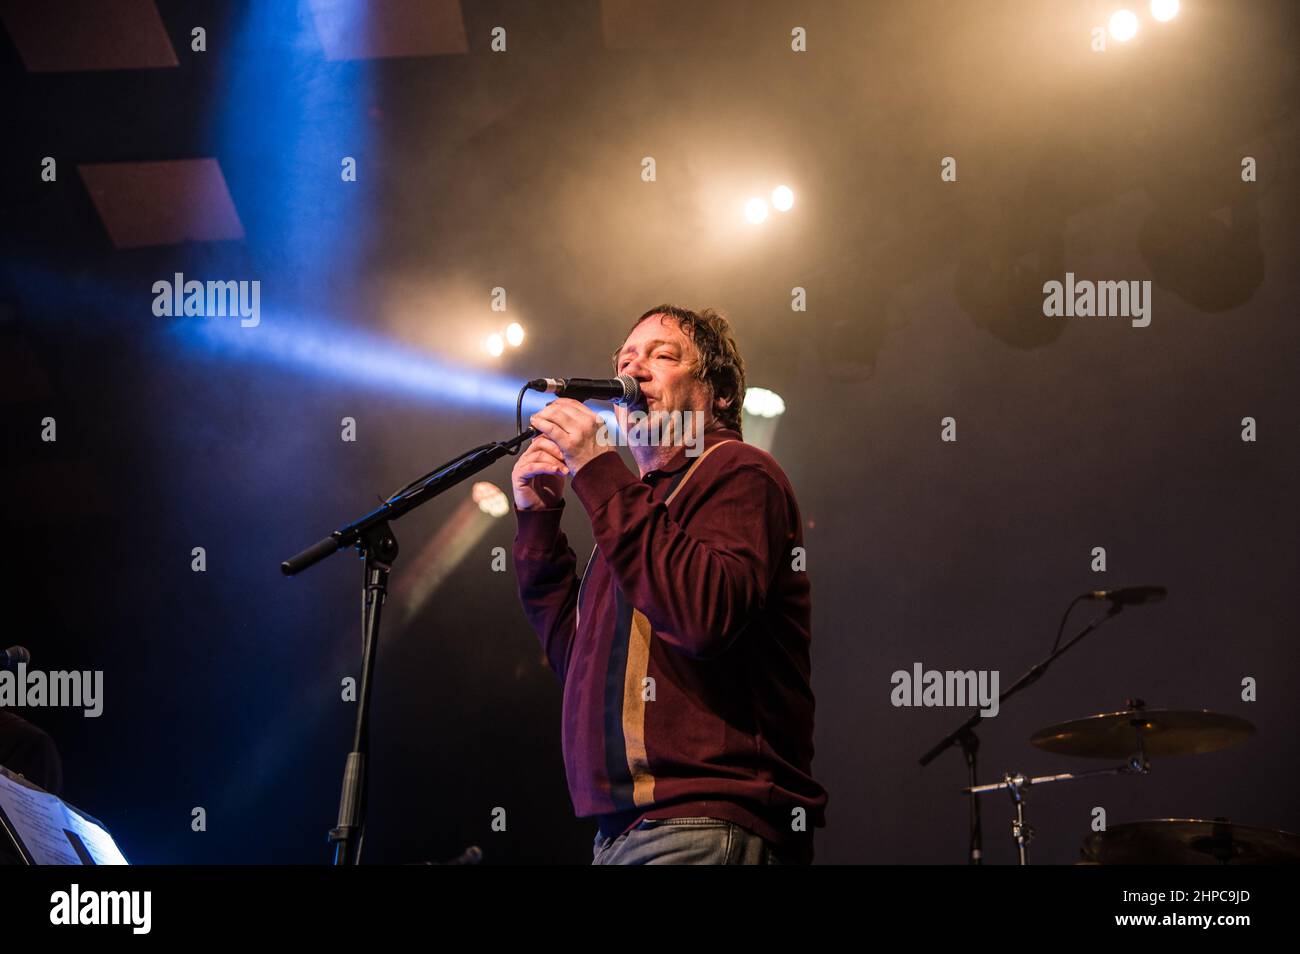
718, 364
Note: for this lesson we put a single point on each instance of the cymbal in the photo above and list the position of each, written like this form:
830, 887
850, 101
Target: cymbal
1164, 732
1190, 841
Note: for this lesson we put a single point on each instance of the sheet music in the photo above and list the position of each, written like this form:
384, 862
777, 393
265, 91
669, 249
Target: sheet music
40, 821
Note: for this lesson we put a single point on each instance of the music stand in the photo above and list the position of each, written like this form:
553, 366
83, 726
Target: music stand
45, 830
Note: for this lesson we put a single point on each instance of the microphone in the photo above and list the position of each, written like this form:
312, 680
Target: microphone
470, 856
621, 390
13, 656
1131, 595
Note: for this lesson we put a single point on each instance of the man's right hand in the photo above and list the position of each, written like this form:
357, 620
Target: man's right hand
538, 475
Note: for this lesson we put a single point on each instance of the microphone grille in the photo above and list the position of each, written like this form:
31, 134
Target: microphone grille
631, 390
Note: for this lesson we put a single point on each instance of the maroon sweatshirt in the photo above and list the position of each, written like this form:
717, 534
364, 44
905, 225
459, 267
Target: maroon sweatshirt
684, 648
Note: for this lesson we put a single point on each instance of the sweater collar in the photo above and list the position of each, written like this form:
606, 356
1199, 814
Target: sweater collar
680, 461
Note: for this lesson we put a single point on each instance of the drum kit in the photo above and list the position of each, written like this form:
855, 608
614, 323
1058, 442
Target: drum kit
1136, 735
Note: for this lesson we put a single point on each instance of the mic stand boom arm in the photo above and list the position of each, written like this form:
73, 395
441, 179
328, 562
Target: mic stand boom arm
964, 734
374, 538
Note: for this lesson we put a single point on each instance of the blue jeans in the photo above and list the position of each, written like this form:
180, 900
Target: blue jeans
684, 841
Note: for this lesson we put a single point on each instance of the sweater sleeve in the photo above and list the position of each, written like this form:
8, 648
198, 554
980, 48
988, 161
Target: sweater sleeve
698, 589
545, 566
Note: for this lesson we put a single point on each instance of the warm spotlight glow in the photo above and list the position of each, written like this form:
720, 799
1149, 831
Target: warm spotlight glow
763, 403
782, 198
1164, 10
495, 345
490, 498
1123, 25
515, 334
755, 210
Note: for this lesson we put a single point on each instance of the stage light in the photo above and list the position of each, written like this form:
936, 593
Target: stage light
329, 351
1164, 10
761, 413
460, 536
490, 498
763, 403
1123, 25
755, 210
1212, 259
782, 198
514, 334
495, 345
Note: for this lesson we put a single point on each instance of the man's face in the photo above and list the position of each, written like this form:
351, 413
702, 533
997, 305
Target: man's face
661, 357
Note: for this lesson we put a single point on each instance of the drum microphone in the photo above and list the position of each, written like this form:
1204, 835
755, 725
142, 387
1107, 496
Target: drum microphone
1131, 595
621, 390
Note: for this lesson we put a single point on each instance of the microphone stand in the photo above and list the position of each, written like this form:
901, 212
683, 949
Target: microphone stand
374, 539
964, 734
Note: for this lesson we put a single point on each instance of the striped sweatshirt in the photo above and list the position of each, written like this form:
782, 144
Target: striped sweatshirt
683, 650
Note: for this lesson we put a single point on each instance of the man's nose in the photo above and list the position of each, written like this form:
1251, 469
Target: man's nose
637, 369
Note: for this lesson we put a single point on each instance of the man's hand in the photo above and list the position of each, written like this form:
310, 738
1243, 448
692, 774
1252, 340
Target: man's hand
538, 475
573, 429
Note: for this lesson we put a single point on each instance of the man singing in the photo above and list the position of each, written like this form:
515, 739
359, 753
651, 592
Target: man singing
684, 648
